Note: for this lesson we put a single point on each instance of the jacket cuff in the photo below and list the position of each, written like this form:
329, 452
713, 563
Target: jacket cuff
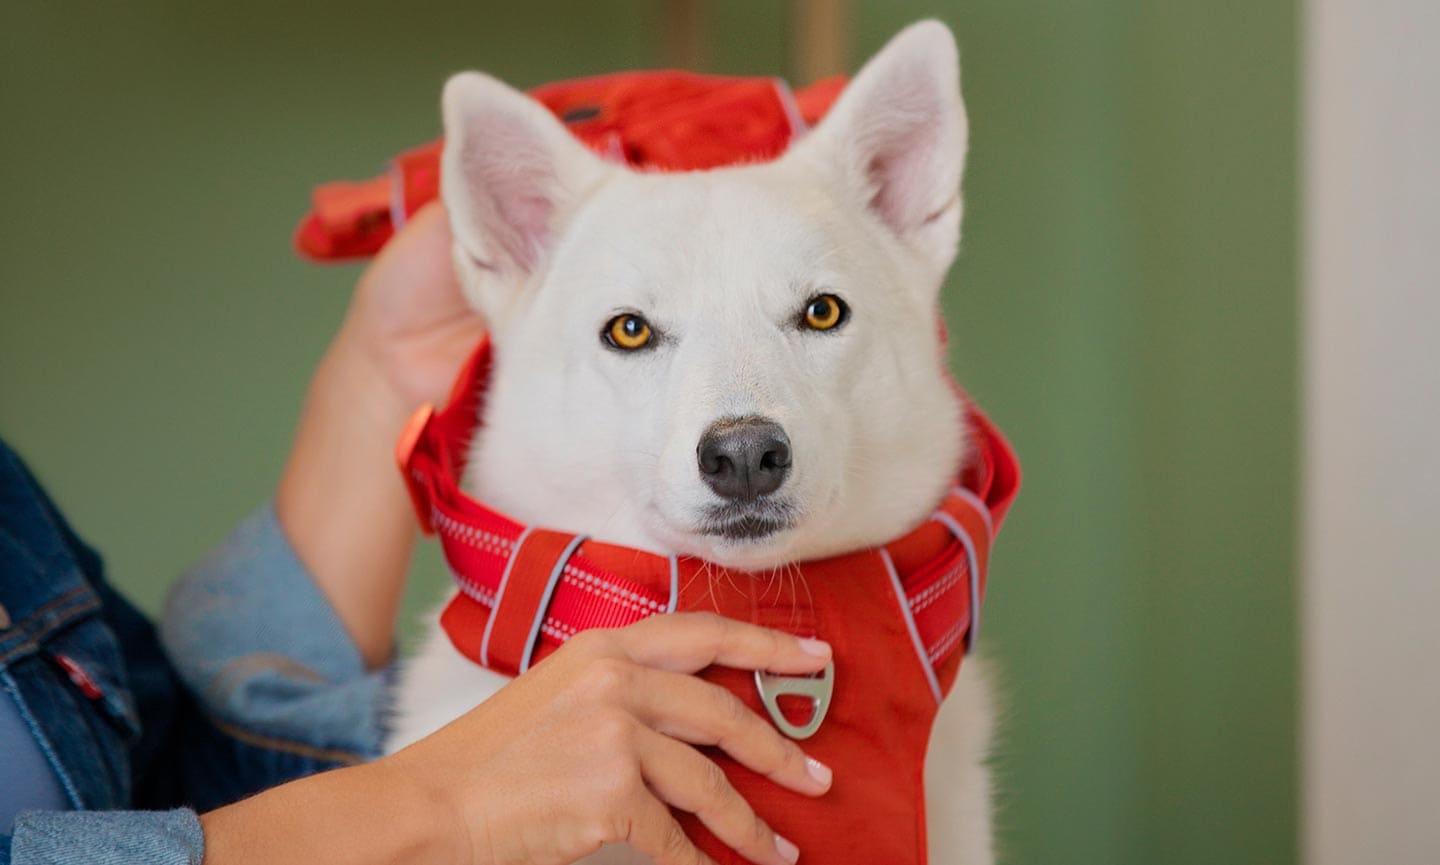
107, 838
253, 636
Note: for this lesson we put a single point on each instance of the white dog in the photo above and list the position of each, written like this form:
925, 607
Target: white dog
714, 270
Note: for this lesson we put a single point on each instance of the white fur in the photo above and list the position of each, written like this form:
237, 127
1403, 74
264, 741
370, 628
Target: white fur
552, 242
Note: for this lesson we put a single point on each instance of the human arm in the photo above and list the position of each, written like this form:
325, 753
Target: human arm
588, 748
340, 500
593, 746
283, 632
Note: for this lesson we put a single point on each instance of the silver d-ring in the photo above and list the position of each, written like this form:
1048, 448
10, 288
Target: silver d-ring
819, 689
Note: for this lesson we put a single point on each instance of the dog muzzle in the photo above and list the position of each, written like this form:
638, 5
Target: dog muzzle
900, 618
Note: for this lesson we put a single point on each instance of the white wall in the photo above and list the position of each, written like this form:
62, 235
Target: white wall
1371, 616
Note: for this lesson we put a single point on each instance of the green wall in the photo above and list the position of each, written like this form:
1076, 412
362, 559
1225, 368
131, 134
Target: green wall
1124, 306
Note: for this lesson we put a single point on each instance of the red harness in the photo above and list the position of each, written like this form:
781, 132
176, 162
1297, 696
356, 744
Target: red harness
897, 617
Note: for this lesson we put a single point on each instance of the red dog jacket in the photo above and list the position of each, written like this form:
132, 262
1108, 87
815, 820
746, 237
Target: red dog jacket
898, 617
669, 121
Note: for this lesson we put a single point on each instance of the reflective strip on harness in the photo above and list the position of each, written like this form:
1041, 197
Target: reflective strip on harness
531, 574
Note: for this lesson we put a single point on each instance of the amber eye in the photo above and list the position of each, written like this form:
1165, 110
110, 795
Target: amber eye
825, 312
628, 332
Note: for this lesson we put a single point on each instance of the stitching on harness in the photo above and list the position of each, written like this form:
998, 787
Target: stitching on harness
610, 591
937, 589
557, 629
609, 596
475, 537
479, 593
947, 641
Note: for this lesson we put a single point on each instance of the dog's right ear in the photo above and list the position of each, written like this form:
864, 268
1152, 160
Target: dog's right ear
509, 172
896, 138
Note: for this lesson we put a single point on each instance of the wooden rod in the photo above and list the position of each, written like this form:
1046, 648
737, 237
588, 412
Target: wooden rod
819, 39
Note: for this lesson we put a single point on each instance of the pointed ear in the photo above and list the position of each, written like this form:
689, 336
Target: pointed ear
508, 173
896, 138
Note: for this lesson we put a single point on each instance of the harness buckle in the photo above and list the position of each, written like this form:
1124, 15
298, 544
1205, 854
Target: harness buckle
405, 453
818, 689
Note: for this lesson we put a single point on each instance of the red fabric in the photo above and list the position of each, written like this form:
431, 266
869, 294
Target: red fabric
884, 704
521, 592
670, 121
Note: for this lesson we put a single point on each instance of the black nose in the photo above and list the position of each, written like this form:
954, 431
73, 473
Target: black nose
744, 458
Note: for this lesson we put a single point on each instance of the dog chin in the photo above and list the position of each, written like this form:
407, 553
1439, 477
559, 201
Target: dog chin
749, 553
740, 539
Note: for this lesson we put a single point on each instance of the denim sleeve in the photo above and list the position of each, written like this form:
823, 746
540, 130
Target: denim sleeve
104, 838
260, 646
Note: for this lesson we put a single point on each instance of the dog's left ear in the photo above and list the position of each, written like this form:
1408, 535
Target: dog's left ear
896, 141
509, 173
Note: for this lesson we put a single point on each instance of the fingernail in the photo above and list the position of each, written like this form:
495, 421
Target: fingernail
789, 852
819, 771
819, 648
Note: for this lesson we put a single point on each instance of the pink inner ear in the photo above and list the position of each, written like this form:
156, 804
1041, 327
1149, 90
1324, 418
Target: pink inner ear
511, 182
897, 175
529, 215
884, 200
897, 131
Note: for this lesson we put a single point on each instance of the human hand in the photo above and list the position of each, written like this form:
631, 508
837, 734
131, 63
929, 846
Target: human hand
590, 747
409, 322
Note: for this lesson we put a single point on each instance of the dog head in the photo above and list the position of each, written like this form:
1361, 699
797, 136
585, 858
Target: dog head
741, 364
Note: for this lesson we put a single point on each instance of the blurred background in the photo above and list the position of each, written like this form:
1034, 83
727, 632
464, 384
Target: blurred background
1128, 306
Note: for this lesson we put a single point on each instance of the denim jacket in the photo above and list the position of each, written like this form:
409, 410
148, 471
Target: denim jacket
262, 685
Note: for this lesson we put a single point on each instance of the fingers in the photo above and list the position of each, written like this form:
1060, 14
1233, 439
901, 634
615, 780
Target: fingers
422, 244
411, 288
642, 670
688, 780
428, 222
690, 642
654, 832
700, 713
